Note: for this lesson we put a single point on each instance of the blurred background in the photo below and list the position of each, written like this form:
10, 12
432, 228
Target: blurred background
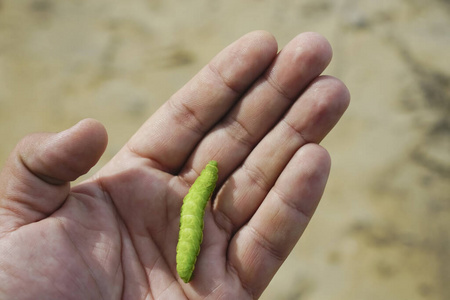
382, 230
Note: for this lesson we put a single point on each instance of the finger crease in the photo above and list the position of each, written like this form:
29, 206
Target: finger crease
244, 285
184, 117
297, 132
265, 244
154, 162
290, 204
46, 179
272, 82
225, 223
238, 132
257, 176
223, 79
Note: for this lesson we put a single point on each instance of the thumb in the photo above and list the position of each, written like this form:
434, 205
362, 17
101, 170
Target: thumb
35, 179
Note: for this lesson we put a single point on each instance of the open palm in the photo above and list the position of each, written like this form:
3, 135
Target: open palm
258, 113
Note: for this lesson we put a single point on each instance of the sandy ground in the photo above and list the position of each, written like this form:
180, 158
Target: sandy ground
382, 230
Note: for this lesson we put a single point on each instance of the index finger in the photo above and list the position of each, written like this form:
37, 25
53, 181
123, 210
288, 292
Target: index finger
171, 134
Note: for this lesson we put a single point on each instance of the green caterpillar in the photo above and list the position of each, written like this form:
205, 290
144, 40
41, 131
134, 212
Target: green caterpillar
191, 220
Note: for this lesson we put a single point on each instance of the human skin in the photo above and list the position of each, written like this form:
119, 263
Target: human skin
259, 113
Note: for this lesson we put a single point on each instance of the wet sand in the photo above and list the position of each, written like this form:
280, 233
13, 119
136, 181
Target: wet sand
382, 229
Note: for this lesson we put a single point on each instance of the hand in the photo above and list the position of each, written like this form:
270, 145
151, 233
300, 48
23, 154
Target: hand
258, 113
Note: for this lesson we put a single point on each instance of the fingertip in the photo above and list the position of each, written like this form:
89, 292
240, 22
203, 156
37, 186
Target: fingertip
315, 157
313, 48
319, 108
331, 93
304, 58
245, 59
333, 88
82, 146
310, 169
64, 156
265, 38
89, 131
319, 41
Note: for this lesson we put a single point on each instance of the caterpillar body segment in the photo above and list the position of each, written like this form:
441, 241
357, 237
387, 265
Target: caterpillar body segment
191, 220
